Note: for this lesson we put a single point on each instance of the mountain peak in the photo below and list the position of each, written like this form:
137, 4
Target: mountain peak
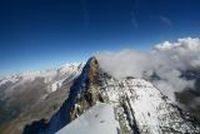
139, 107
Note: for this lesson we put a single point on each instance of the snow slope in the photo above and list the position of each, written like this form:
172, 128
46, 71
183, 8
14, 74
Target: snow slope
99, 119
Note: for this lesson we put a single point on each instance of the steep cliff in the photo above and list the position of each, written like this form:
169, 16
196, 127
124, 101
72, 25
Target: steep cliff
139, 107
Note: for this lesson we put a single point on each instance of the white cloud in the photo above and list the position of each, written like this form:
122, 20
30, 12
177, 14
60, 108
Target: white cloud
167, 60
185, 53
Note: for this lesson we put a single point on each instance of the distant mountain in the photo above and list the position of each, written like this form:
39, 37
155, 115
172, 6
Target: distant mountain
33, 96
137, 106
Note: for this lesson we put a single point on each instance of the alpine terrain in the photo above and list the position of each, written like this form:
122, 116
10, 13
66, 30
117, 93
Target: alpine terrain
33, 96
100, 103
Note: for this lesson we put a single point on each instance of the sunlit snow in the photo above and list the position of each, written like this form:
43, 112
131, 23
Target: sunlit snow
99, 119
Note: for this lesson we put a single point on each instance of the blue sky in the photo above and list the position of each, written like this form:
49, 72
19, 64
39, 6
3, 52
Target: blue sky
46, 33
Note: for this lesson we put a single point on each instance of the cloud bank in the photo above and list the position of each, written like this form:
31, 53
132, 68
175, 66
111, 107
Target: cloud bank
163, 65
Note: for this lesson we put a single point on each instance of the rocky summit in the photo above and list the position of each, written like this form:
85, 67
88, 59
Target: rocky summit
139, 107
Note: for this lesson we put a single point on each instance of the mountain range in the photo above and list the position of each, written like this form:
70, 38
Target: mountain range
86, 98
32, 96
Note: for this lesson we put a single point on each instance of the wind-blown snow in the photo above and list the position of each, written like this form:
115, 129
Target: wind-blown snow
99, 119
165, 64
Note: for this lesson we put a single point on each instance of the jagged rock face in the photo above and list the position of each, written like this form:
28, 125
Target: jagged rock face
139, 107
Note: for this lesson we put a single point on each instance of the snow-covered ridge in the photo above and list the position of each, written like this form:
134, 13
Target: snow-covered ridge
99, 119
30, 75
138, 106
53, 77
